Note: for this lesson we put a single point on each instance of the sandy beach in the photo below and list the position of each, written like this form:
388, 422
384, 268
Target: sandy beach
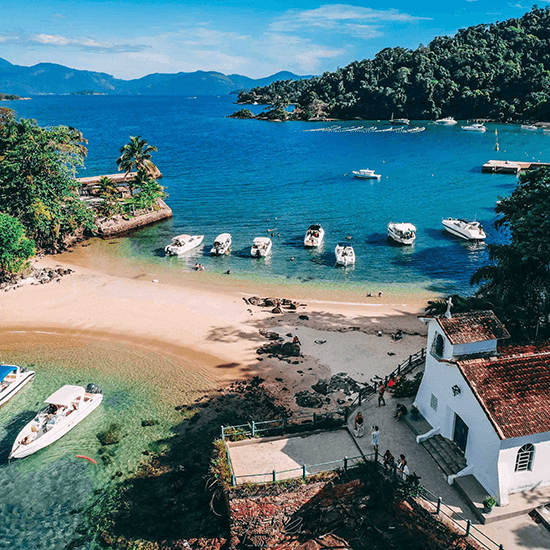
206, 322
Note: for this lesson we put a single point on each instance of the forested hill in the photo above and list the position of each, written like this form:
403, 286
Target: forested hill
499, 71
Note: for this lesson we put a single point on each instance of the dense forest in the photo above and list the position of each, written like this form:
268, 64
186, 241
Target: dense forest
498, 71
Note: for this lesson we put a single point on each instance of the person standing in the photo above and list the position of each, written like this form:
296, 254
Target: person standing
401, 465
359, 425
381, 391
375, 437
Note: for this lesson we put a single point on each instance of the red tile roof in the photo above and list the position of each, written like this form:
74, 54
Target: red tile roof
473, 326
513, 389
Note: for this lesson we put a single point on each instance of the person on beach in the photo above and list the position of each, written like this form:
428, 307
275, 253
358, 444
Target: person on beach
375, 437
359, 425
389, 460
296, 340
381, 390
400, 412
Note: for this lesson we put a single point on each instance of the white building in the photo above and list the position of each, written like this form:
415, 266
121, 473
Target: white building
494, 403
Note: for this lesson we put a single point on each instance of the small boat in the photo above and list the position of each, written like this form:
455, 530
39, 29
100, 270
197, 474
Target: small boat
475, 128
261, 247
222, 244
366, 174
528, 127
400, 121
447, 121
182, 244
314, 236
66, 407
468, 230
403, 233
345, 255
13, 378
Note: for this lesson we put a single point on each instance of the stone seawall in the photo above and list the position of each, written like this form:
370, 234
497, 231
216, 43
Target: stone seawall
118, 225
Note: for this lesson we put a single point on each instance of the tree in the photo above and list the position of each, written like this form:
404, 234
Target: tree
149, 189
15, 247
37, 179
134, 155
108, 192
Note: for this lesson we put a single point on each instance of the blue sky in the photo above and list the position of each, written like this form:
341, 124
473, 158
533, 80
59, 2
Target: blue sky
130, 39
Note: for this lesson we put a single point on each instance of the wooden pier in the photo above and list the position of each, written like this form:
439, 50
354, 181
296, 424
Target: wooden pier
511, 166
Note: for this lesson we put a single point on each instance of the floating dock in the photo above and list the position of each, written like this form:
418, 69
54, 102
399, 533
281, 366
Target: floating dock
511, 166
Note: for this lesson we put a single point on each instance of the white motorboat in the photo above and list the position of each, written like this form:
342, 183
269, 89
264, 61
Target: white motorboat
475, 128
528, 127
447, 121
261, 247
400, 121
403, 233
314, 236
468, 230
67, 407
222, 244
345, 255
13, 378
182, 244
366, 174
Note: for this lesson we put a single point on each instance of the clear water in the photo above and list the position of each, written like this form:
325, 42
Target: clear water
254, 178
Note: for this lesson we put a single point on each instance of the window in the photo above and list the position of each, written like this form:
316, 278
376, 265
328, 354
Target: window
438, 345
524, 459
433, 402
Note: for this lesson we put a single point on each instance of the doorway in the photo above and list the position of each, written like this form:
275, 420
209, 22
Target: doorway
460, 436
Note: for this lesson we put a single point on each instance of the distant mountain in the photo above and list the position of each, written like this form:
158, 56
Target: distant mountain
50, 78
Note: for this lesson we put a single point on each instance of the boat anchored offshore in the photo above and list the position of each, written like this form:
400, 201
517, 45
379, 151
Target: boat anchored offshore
345, 255
261, 247
475, 128
366, 174
403, 233
182, 244
13, 378
447, 121
222, 244
314, 236
468, 230
67, 407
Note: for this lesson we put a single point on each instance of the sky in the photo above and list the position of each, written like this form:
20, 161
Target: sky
130, 39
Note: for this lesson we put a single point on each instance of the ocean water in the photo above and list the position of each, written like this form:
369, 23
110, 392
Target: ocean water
252, 178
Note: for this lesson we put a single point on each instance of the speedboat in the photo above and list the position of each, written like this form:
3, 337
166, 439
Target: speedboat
222, 244
345, 255
475, 128
447, 121
403, 233
468, 230
13, 378
66, 407
400, 121
261, 247
528, 127
182, 244
366, 174
314, 235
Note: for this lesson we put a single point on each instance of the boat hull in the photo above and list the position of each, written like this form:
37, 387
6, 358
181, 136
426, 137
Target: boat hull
467, 235
15, 387
172, 250
400, 240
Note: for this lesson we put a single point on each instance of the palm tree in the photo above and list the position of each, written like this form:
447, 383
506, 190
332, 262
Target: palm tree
136, 154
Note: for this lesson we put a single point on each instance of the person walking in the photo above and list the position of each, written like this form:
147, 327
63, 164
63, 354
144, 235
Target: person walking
359, 425
375, 437
381, 391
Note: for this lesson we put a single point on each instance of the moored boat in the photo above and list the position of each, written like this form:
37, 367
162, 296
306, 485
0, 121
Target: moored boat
400, 121
13, 378
403, 233
468, 230
528, 127
261, 247
222, 244
66, 407
475, 128
182, 244
345, 255
314, 236
366, 174
447, 121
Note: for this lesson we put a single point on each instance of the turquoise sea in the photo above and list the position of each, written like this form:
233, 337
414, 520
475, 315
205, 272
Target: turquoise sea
252, 178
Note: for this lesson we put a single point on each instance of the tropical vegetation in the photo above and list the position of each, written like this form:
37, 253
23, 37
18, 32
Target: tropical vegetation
15, 247
499, 71
136, 154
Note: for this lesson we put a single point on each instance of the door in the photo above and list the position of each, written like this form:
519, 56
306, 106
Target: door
461, 433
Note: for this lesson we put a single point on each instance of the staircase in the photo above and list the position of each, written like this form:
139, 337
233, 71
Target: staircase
446, 453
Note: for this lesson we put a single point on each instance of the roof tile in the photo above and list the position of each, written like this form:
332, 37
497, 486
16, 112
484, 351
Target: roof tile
472, 326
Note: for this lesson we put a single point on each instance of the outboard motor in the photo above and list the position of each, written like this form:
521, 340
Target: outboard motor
92, 388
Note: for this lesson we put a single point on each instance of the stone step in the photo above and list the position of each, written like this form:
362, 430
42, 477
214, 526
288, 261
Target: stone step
446, 454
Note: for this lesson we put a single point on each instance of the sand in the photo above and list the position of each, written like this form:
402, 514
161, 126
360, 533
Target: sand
207, 322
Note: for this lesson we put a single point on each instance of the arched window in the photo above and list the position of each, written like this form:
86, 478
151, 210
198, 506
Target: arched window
438, 345
524, 458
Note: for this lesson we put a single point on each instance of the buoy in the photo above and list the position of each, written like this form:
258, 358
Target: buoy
87, 458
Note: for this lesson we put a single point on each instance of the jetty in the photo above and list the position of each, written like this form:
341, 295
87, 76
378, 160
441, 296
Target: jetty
120, 179
511, 166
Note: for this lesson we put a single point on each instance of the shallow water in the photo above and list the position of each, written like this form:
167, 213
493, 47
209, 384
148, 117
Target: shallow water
254, 178
43, 495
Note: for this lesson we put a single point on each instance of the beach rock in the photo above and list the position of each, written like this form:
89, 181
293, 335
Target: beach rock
308, 400
287, 349
303, 317
321, 387
270, 335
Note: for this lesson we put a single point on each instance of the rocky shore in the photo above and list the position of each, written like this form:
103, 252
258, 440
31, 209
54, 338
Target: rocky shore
37, 276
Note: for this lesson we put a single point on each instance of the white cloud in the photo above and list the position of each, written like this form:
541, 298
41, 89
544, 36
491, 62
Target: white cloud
365, 31
53, 39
